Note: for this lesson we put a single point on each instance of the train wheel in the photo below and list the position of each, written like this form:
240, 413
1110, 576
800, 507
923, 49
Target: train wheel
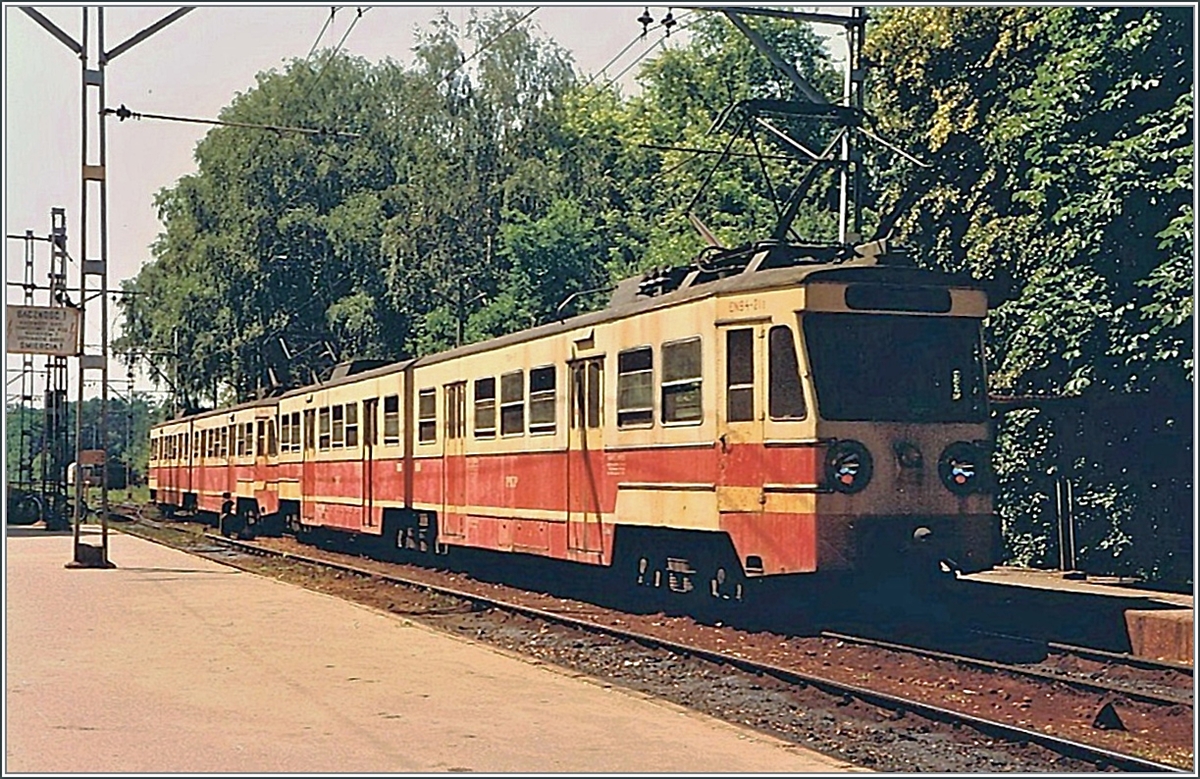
727, 586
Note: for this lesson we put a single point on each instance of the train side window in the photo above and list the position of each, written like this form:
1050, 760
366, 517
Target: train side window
224, 442
296, 440
248, 434
272, 441
196, 444
595, 394
370, 422
260, 450
512, 403
455, 397
485, 408
339, 426
239, 437
541, 399
681, 381
323, 431
635, 387
427, 415
285, 432
391, 420
310, 430
739, 375
352, 424
785, 396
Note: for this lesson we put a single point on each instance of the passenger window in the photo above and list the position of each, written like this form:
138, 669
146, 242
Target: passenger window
541, 400
739, 375
249, 436
339, 426
681, 381
595, 379
512, 403
427, 416
239, 434
323, 432
285, 432
272, 441
485, 408
456, 410
261, 449
635, 387
391, 420
786, 397
296, 434
352, 424
224, 442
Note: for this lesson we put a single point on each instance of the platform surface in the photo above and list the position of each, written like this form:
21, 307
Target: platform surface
1054, 580
1156, 625
172, 663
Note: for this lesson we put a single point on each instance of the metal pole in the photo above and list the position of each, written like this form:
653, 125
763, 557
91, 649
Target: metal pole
77, 513
1070, 499
103, 118
1059, 515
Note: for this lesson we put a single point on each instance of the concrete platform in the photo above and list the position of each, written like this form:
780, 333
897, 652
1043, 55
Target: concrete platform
170, 663
1163, 632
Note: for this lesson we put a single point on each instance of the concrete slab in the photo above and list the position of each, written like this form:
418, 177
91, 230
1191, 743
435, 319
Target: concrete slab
1162, 635
170, 663
1162, 632
1053, 580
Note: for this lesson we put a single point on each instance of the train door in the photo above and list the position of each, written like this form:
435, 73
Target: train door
370, 408
308, 469
740, 414
230, 434
585, 459
454, 461
193, 460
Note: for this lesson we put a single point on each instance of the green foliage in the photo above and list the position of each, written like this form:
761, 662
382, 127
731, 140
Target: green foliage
128, 441
1063, 144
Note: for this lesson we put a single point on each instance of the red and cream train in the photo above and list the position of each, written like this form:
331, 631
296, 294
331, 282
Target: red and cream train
773, 412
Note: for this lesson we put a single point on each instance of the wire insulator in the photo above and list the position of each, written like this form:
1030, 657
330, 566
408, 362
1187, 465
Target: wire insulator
668, 22
646, 19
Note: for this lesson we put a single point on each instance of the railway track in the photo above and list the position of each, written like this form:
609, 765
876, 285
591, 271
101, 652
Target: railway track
896, 706
1169, 697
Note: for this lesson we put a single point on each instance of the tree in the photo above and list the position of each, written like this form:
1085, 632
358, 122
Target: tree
1063, 146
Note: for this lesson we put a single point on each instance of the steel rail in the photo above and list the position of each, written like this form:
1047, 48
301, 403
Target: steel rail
992, 665
1092, 653
1012, 733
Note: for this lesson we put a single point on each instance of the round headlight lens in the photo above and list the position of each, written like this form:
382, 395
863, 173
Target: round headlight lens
962, 467
848, 467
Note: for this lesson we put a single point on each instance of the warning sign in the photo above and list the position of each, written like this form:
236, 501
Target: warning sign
43, 330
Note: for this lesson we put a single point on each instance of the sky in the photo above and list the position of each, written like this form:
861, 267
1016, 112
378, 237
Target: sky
194, 67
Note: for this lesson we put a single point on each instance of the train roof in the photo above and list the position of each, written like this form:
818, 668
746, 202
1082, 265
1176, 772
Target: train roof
754, 274
267, 401
762, 266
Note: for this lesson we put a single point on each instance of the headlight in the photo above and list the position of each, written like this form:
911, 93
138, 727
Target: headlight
848, 467
962, 468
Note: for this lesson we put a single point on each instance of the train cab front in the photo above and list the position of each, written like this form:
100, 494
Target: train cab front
900, 393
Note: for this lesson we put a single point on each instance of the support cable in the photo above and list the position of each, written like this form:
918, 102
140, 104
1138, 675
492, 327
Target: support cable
332, 12
628, 46
484, 46
124, 113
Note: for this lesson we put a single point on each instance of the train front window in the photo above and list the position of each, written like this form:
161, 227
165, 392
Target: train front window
896, 368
